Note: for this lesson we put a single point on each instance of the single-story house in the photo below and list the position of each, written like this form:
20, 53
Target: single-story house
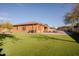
32, 27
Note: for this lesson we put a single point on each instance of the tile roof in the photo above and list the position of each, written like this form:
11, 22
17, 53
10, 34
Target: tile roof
29, 23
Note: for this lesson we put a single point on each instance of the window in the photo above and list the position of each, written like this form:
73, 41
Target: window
17, 28
23, 28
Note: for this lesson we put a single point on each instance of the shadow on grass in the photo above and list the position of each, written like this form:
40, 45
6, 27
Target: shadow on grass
73, 35
48, 37
2, 38
1, 51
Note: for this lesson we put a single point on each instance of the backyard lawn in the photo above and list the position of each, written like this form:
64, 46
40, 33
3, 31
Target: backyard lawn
22, 44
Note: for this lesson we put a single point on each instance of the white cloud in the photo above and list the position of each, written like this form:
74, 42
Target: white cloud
4, 18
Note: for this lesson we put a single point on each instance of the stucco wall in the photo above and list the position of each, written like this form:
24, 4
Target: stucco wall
38, 28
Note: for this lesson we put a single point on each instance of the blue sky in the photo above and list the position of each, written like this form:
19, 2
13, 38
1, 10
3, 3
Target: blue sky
51, 14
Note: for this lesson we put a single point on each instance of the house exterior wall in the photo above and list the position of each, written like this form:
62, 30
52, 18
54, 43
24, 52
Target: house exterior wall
29, 27
40, 28
51, 30
26, 28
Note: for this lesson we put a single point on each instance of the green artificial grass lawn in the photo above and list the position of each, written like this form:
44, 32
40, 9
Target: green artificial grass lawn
21, 44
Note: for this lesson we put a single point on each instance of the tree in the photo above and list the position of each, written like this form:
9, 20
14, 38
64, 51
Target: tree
76, 12
77, 24
7, 25
72, 17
